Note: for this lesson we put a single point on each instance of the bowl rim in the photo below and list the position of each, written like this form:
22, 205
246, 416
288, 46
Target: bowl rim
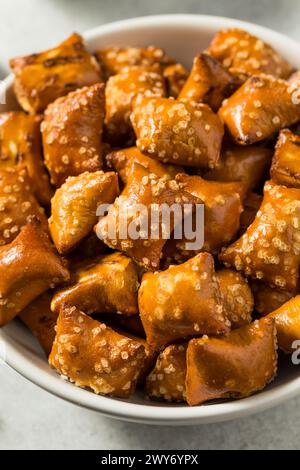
125, 410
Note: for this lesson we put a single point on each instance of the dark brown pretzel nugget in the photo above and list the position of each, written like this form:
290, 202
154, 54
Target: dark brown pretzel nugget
43, 77
72, 133
20, 145
93, 355
177, 132
28, 267
235, 366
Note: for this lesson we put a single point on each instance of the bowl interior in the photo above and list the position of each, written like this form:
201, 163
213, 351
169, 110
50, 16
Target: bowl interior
183, 36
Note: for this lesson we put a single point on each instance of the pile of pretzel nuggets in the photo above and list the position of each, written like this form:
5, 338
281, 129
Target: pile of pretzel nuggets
129, 125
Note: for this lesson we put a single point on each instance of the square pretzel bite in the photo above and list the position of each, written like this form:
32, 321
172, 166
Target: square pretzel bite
134, 223
181, 301
28, 267
94, 356
237, 297
287, 320
107, 283
114, 59
249, 165
72, 133
177, 132
259, 108
122, 161
20, 145
244, 55
285, 167
270, 248
175, 76
120, 91
167, 379
234, 366
75, 204
43, 77
17, 203
208, 83
40, 319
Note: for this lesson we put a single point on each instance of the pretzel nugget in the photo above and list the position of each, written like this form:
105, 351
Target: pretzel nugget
235, 366
74, 207
17, 203
28, 267
246, 164
208, 83
285, 167
287, 320
92, 355
167, 379
106, 283
72, 132
120, 91
177, 132
40, 319
42, 78
122, 161
139, 229
260, 108
237, 297
114, 59
245, 55
20, 145
184, 300
175, 76
270, 248
267, 299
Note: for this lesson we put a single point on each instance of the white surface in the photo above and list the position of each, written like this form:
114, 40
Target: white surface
57, 20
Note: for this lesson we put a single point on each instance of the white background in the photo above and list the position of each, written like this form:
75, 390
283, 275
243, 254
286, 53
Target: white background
31, 418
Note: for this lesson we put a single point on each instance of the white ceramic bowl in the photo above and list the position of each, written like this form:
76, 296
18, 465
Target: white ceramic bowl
183, 36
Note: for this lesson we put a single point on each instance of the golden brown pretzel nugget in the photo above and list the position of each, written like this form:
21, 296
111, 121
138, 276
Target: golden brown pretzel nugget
177, 132
175, 76
40, 319
123, 160
182, 301
208, 83
267, 299
287, 320
246, 164
17, 203
234, 366
270, 248
20, 145
252, 204
93, 355
167, 379
244, 55
120, 91
285, 167
43, 77
106, 283
74, 207
260, 108
72, 133
114, 59
148, 192
237, 297
28, 267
